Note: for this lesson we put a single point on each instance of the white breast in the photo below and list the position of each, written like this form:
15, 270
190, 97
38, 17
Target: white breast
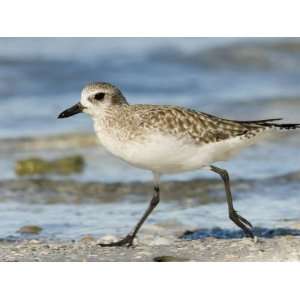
167, 154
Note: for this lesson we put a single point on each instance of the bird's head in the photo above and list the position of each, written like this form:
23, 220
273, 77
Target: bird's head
95, 98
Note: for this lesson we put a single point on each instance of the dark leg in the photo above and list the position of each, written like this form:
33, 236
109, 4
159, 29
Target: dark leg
128, 240
233, 215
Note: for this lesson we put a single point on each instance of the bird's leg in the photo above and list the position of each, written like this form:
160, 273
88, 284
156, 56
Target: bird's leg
233, 215
128, 240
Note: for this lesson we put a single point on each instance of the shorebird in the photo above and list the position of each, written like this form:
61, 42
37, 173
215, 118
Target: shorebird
168, 139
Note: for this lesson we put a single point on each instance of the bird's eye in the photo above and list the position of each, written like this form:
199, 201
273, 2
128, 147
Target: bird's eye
99, 96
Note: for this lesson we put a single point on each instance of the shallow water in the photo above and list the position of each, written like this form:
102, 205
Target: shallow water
234, 78
270, 208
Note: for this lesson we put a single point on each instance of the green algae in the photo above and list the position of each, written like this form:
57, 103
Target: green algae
37, 166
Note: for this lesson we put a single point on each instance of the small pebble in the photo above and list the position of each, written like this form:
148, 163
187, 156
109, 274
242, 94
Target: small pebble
108, 239
169, 258
87, 239
34, 242
160, 241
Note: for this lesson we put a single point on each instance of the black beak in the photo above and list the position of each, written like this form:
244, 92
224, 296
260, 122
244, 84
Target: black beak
75, 109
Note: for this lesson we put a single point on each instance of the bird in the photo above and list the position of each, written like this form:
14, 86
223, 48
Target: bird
167, 139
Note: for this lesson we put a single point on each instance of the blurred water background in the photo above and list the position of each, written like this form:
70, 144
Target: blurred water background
238, 78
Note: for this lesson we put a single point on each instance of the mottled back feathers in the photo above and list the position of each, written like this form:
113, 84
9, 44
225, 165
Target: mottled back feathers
198, 127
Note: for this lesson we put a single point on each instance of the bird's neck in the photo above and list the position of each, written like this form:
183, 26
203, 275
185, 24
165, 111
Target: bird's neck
110, 116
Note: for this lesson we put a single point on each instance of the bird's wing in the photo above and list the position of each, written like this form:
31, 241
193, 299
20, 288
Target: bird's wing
182, 122
198, 126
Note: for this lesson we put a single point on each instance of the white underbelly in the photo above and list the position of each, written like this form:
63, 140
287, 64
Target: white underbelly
166, 154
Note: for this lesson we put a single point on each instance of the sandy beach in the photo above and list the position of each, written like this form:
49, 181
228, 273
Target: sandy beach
159, 249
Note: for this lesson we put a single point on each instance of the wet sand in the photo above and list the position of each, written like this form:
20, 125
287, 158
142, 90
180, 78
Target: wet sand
284, 248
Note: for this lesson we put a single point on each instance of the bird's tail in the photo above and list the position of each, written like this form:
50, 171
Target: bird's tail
286, 126
272, 123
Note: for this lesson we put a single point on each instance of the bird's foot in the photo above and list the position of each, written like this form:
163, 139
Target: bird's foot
126, 241
241, 222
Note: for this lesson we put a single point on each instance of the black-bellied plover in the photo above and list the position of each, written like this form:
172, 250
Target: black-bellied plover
168, 139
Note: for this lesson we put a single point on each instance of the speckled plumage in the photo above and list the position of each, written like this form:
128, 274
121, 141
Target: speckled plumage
146, 135
136, 122
198, 127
